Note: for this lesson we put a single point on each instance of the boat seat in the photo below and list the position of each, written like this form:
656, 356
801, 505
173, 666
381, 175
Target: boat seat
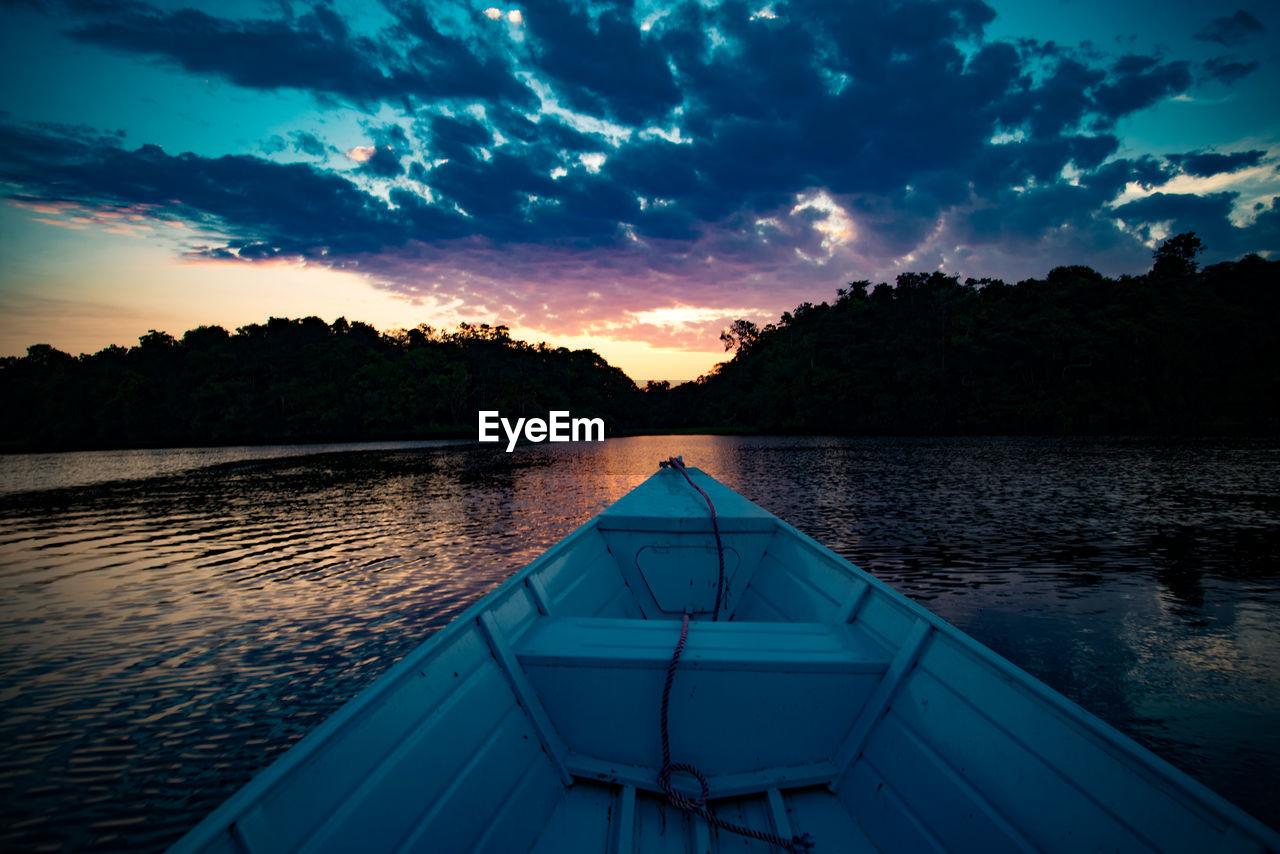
742, 707
792, 647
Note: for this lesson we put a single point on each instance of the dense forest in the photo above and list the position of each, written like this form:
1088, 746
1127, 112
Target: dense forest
299, 381
1180, 350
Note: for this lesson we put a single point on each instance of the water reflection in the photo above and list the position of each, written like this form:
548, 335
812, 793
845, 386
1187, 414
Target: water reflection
30, 472
163, 638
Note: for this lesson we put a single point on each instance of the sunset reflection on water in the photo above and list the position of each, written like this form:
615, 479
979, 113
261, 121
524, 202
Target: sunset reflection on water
163, 636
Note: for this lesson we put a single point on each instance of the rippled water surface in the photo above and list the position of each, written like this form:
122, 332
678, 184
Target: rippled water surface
165, 635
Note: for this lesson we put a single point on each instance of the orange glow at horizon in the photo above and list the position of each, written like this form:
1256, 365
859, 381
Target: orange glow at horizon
640, 360
142, 288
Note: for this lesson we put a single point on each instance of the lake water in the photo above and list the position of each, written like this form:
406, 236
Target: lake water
170, 621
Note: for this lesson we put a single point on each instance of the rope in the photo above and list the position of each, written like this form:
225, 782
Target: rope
698, 806
677, 463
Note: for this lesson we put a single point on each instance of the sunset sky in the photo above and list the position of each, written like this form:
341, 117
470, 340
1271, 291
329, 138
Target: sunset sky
625, 177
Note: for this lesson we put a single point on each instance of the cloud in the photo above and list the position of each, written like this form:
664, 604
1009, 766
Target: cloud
288, 208
273, 144
602, 65
653, 161
458, 138
315, 52
307, 143
1236, 29
382, 159
1208, 215
1138, 82
1228, 70
1206, 163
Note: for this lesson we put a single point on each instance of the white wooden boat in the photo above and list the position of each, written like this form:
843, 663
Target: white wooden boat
820, 702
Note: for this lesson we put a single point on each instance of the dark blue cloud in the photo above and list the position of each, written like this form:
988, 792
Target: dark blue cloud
1027, 215
495, 193
273, 144
315, 52
1111, 178
1038, 160
382, 164
1138, 82
1235, 29
458, 139
1205, 163
455, 67
1209, 216
1228, 70
307, 143
602, 66
1058, 104
390, 143
284, 209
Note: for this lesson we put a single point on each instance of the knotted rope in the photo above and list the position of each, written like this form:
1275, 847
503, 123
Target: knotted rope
698, 806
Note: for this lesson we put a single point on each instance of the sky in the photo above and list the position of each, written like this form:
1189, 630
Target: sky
628, 177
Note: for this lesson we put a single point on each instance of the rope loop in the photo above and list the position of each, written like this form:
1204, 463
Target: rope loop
678, 798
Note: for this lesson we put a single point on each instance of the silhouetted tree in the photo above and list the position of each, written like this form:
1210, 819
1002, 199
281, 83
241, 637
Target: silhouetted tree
740, 335
1176, 257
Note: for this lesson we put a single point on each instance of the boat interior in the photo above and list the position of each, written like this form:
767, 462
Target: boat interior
818, 702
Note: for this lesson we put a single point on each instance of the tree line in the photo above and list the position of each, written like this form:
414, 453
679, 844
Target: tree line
1179, 350
299, 380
